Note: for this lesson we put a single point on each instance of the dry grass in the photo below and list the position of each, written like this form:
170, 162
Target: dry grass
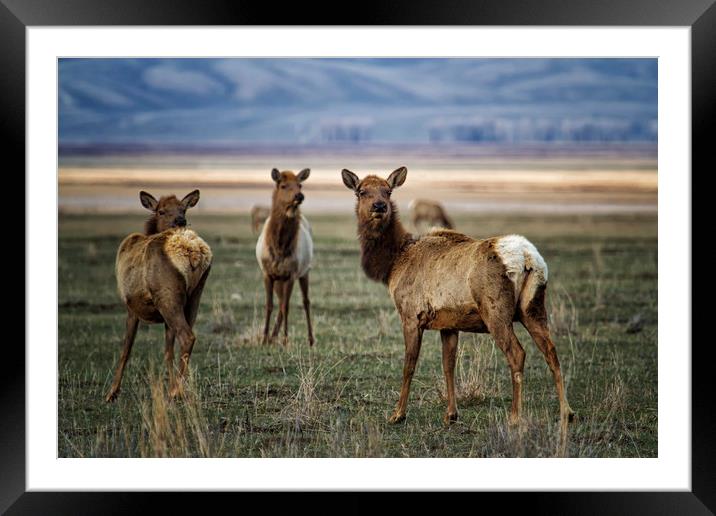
248, 400
172, 428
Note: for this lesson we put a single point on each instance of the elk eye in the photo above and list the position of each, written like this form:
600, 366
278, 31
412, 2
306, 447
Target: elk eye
162, 212
283, 187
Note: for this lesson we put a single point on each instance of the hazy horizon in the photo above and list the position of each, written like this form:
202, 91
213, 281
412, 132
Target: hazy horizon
326, 101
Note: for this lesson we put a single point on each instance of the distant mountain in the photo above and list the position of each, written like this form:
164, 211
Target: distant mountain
355, 100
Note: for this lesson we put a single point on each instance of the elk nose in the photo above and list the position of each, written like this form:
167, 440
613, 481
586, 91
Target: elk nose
379, 206
181, 222
299, 197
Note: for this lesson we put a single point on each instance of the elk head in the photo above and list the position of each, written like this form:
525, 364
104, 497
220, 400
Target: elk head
168, 212
374, 208
287, 196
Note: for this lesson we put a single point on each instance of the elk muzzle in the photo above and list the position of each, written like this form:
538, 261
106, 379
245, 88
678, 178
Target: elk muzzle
379, 207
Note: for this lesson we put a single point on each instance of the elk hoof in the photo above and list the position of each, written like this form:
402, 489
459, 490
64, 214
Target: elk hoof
396, 418
111, 396
311, 342
449, 418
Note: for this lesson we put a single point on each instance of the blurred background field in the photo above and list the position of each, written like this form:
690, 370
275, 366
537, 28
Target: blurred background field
591, 178
562, 151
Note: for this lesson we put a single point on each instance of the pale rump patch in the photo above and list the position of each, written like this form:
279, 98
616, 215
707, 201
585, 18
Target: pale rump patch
524, 265
189, 254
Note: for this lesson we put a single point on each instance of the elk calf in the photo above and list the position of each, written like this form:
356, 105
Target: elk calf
160, 278
284, 251
432, 212
450, 282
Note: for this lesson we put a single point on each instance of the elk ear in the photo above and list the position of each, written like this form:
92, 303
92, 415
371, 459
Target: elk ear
350, 179
303, 175
148, 201
275, 175
190, 199
397, 177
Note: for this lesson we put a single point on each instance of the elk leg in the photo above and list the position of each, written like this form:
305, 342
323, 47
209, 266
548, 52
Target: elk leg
192, 307
279, 321
303, 282
285, 304
169, 336
186, 339
449, 339
506, 340
268, 285
539, 332
413, 336
172, 311
279, 286
130, 333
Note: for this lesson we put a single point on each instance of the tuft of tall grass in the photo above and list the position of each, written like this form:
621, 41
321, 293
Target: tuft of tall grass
307, 409
172, 427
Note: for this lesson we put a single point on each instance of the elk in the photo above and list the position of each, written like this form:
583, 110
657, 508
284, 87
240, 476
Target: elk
160, 278
284, 251
450, 282
259, 214
431, 212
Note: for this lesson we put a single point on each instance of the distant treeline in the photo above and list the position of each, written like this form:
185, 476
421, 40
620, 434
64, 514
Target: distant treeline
545, 130
76, 153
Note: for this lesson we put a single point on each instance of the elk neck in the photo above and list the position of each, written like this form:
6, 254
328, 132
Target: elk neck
381, 247
282, 229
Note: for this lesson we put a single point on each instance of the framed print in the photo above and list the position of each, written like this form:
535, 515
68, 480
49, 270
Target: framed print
570, 126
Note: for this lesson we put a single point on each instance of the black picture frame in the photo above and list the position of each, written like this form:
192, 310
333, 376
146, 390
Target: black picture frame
17, 15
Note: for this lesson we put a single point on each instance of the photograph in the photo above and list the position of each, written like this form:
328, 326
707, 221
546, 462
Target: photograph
444, 257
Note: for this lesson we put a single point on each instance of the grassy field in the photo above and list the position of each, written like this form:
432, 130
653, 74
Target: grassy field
248, 400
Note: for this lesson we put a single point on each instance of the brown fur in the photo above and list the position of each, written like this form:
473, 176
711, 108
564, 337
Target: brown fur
449, 282
378, 253
281, 236
160, 279
277, 252
431, 212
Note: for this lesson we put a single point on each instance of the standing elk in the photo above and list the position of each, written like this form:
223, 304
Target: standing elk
284, 251
259, 214
450, 282
160, 278
432, 212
